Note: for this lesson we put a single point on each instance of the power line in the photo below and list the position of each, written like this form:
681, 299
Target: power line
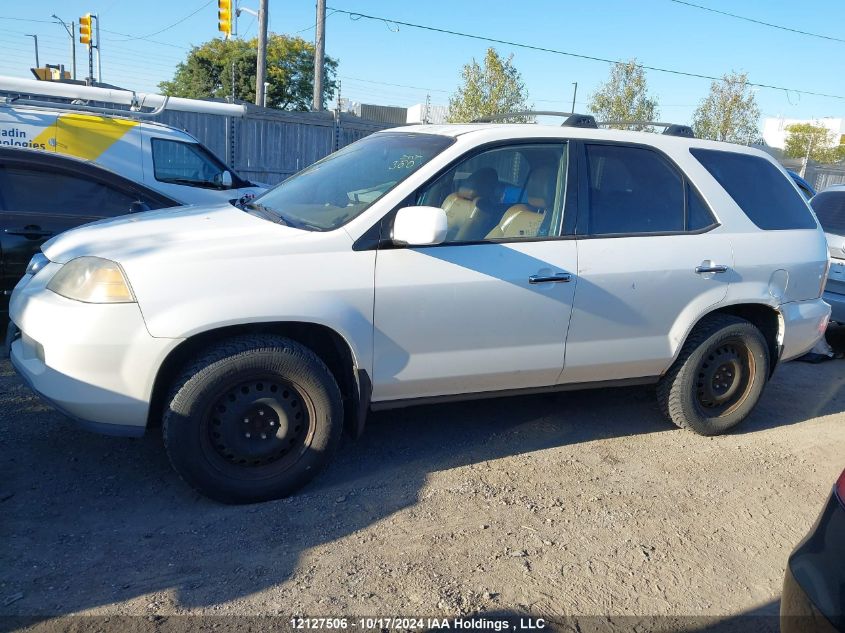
753, 21
167, 28
388, 21
384, 83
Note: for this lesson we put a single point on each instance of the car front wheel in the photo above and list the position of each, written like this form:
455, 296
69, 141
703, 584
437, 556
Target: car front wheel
253, 418
718, 377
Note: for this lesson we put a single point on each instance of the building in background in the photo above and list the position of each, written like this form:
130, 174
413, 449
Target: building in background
774, 128
419, 113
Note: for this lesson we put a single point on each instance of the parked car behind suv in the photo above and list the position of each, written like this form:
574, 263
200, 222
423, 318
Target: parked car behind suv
829, 206
43, 194
420, 265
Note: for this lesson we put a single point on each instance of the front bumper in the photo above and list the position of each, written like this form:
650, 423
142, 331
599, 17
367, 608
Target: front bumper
95, 363
804, 323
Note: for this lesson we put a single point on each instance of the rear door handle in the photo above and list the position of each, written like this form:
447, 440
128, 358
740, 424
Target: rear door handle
713, 268
26, 231
550, 279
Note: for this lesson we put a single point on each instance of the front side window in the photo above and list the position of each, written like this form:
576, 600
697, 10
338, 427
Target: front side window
634, 190
26, 189
759, 188
337, 189
184, 163
830, 210
514, 192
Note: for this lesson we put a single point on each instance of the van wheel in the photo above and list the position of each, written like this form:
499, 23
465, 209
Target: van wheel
718, 377
253, 418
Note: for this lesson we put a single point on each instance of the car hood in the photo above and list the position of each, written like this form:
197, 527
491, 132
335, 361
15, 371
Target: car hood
207, 228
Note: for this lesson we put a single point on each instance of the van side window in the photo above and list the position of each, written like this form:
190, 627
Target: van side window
760, 189
632, 190
185, 164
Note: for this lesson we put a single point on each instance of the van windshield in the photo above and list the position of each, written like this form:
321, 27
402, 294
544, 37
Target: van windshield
337, 189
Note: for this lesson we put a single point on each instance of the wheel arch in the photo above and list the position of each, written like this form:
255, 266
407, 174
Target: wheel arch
331, 346
765, 317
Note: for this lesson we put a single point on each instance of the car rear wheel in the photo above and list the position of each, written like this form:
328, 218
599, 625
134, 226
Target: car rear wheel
718, 377
253, 418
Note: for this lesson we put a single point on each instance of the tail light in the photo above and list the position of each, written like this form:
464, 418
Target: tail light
840, 488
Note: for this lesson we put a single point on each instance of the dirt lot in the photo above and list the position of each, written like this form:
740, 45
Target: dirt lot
575, 503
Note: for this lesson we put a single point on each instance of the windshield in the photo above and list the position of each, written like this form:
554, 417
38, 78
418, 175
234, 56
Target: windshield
337, 189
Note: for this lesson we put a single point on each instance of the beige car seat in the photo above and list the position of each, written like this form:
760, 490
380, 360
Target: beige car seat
524, 220
465, 202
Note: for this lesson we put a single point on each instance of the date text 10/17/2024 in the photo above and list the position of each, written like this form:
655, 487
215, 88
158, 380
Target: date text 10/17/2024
417, 624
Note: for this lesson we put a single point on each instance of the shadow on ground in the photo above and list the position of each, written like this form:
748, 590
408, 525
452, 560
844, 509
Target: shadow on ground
111, 511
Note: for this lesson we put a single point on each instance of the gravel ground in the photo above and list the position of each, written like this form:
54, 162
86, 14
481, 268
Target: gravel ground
576, 503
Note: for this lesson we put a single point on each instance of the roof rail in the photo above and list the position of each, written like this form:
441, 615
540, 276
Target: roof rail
671, 129
572, 119
136, 101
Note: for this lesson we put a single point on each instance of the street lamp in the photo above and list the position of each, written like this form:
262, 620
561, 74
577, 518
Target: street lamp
71, 32
35, 37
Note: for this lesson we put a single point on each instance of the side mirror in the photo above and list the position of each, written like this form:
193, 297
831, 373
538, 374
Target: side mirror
224, 179
138, 206
420, 226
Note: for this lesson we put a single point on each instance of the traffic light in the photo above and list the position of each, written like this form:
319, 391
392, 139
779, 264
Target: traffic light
85, 29
225, 16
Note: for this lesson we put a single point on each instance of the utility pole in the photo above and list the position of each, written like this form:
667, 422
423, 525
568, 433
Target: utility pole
261, 66
72, 33
99, 59
803, 171
35, 37
319, 55
574, 92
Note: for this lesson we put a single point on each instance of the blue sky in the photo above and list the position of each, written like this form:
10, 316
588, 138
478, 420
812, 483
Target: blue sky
373, 55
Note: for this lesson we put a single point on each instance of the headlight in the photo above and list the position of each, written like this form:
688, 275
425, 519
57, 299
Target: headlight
38, 261
92, 280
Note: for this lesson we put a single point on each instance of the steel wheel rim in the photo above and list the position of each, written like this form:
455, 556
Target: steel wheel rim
724, 378
259, 423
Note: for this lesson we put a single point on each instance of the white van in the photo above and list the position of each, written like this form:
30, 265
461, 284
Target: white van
163, 158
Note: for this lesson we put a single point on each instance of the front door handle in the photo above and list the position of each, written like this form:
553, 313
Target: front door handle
553, 279
29, 231
712, 268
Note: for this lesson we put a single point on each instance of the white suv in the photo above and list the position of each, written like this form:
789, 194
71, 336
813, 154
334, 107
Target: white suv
426, 264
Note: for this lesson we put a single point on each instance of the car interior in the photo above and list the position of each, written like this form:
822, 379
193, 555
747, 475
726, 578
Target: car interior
502, 194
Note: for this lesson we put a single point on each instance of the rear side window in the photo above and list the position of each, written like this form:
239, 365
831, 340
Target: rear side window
830, 210
634, 190
764, 194
23, 189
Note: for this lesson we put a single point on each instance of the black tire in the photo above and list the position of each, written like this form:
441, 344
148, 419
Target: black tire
717, 378
253, 418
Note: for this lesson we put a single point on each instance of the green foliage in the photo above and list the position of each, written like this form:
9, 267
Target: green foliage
821, 142
624, 97
493, 88
207, 72
729, 112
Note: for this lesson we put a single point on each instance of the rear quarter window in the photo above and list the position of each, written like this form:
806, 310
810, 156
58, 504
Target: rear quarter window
764, 194
830, 210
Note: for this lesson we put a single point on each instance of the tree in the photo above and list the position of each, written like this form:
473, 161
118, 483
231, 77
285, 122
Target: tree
820, 141
494, 88
207, 72
729, 113
624, 97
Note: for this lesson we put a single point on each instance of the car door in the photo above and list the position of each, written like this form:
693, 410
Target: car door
488, 309
651, 258
41, 199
